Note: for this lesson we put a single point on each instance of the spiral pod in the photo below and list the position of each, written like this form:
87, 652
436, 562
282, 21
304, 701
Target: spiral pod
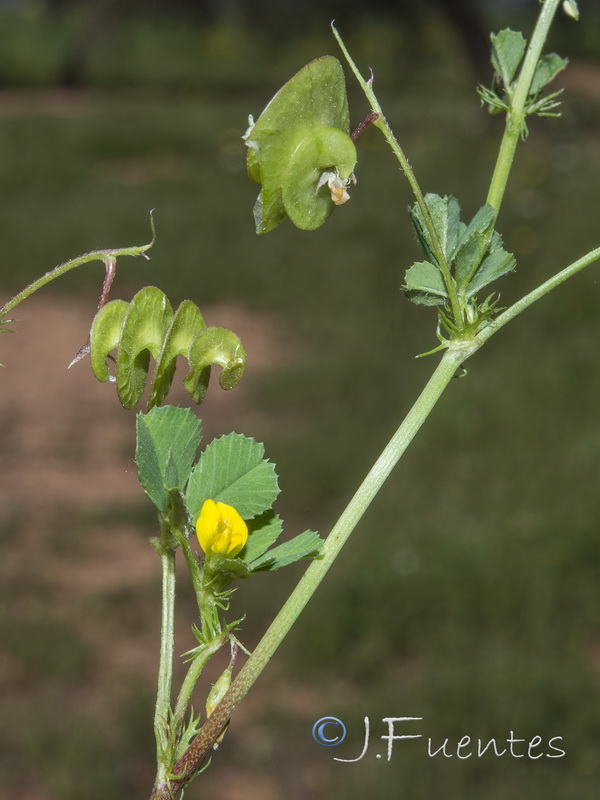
147, 327
299, 149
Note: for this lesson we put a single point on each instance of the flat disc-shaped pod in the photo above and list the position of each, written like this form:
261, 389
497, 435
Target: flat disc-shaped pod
315, 98
307, 202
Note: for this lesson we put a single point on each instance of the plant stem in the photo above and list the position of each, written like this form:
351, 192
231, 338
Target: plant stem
189, 763
515, 117
381, 123
187, 687
537, 294
95, 255
165, 671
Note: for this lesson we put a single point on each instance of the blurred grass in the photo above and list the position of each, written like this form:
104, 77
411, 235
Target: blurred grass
469, 595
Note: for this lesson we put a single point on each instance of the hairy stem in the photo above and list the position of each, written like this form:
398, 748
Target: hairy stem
203, 656
529, 299
380, 122
107, 256
162, 710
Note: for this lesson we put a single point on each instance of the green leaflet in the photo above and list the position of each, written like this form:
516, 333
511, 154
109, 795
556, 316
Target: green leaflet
497, 263
508, 48
264, 531
166, 443
445, 214
259, 554
546, 70
148, 327
305, 545
424, 285
299, 149
474, 243
233, 470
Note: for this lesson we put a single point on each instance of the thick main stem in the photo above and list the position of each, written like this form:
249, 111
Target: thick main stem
515, 116
340, 533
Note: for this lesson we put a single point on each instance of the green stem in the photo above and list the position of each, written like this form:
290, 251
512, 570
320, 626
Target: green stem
96, 255
381, 123
520, 306
193, 567
189, 763
165, 671
515, 117
205, 599
193, 673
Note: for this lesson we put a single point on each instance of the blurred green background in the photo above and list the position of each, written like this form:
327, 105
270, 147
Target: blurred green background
469, 594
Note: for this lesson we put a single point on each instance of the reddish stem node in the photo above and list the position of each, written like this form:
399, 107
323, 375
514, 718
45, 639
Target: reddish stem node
364, 124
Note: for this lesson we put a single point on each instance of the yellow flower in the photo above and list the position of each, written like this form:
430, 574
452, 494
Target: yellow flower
220, 529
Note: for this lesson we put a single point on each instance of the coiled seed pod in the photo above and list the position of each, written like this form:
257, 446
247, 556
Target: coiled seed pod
148, 327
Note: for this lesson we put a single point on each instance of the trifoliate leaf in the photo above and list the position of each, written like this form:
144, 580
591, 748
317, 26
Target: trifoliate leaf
232, 470
304, 545
495, 265
546, 70
508, 48
167, 440
424, 285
